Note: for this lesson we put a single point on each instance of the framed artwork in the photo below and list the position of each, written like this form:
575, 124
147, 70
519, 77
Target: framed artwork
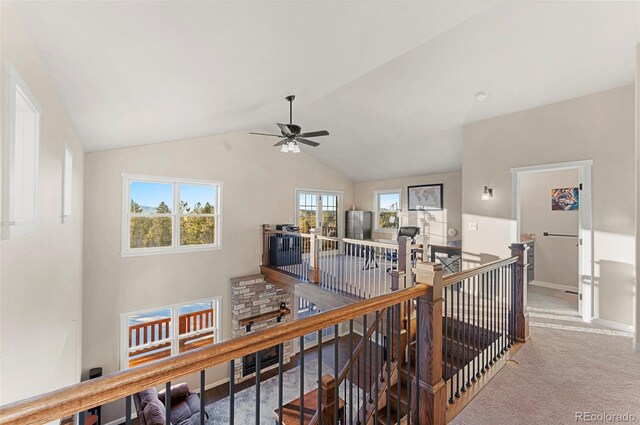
426, 197
565, 199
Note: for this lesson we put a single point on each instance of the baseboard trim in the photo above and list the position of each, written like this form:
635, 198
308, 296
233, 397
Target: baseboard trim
134, 413
550, 285
614, 325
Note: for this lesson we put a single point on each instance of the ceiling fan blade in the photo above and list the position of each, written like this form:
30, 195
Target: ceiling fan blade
307, 142
265, 134
285, 130
281, 142
315, 133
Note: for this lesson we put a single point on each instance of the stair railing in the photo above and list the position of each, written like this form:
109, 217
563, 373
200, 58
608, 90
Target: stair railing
426, 400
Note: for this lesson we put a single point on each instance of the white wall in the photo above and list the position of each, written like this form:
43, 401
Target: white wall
556, 258
41, 272
598, 127
434, 224
259, 183
636, 339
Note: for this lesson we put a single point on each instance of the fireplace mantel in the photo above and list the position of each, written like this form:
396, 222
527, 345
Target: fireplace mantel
256, 305
263, 317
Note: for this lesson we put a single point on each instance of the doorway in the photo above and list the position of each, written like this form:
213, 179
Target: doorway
552, 205
318, 209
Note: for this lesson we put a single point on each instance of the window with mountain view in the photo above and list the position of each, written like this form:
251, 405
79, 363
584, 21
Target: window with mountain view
166, 215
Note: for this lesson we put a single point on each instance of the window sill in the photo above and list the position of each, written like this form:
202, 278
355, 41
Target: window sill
152, 251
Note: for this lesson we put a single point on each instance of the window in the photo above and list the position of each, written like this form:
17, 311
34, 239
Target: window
387, 205
67, 184
319, 209
162, 332
21, 151
164, 215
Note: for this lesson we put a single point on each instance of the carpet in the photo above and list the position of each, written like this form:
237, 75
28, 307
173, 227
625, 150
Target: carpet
245, 400
567, 368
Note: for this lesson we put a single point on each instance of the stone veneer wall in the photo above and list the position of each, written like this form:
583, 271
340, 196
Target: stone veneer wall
252, 295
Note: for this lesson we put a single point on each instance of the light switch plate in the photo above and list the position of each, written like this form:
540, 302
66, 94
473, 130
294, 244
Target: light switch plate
473, 226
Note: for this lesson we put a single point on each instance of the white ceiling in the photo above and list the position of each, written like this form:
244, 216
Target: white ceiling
392, 81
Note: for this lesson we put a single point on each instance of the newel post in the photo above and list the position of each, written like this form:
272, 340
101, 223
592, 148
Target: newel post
314, 256
328, 384
404, 259
520, 291
265, 244
398, 313
429, 387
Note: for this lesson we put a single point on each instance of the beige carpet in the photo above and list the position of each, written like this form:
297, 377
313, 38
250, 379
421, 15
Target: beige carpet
567, 367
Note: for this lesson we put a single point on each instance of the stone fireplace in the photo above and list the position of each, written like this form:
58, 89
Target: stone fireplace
251, 296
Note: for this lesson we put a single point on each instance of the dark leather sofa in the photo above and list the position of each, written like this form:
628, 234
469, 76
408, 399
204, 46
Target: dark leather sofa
185, 406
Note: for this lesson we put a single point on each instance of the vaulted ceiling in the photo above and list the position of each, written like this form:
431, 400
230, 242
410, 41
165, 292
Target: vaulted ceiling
392, 81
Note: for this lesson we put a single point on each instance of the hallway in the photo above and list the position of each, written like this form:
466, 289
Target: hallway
566, 367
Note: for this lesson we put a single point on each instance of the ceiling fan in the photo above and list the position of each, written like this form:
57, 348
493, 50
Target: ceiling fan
291, 133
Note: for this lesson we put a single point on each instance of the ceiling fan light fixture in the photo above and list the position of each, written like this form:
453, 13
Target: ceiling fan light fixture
292, 133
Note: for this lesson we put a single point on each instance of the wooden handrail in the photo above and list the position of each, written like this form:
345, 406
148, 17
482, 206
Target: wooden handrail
115, 386
465, 274
356, 352
360, 242
345, 369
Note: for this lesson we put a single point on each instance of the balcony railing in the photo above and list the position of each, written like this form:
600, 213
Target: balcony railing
396, 362
152, 340
361, 268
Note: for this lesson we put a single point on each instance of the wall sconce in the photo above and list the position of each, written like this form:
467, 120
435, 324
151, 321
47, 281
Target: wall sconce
487, 194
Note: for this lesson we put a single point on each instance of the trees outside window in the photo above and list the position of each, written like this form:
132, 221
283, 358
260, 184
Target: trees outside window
387, 203
152, 224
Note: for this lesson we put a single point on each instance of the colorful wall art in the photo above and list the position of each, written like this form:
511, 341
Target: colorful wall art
566, 199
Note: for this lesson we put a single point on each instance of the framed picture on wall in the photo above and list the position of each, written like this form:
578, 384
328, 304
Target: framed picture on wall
426, 197
565, 199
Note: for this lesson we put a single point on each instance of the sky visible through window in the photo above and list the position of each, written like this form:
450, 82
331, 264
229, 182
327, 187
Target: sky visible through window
389, 201
150, 194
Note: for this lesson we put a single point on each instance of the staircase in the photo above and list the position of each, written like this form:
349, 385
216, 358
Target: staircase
457, 352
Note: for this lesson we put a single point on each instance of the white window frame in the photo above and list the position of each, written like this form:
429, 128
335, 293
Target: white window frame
319, 193
175, 337
175, 247
67, 184
376, 205
11, 225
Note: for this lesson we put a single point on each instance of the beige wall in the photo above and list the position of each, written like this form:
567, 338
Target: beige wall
434, 224
41, 272
598, 127
259, 184
556, 258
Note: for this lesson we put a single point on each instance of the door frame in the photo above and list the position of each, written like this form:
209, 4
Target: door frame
585, 225
338, 193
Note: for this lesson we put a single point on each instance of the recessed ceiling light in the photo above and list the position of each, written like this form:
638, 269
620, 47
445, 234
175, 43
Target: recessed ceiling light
481, 96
